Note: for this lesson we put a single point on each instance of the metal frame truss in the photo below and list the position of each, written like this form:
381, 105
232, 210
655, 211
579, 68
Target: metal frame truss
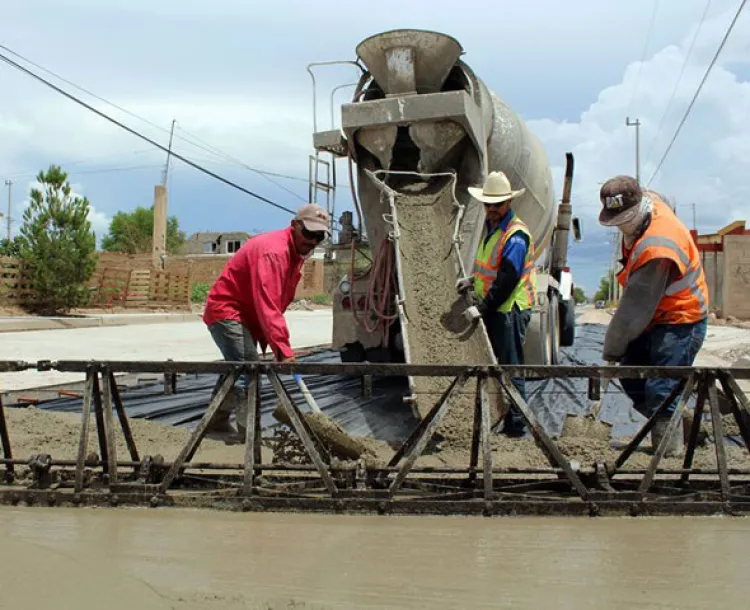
400, 487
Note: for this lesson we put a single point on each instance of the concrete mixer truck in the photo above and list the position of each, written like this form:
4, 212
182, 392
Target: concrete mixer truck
420, 114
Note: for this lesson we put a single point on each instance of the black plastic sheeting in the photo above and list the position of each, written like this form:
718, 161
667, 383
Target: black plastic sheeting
385, 416
553, 399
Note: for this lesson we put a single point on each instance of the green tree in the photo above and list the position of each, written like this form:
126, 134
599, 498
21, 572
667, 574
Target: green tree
10, 247
57, 245
578, 295
604, 283
132, 232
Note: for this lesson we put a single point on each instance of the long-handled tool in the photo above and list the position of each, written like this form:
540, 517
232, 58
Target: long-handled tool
306, 394
589, 425
335, 438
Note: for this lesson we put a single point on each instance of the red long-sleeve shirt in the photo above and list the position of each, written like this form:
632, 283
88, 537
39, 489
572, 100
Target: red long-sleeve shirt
255, 288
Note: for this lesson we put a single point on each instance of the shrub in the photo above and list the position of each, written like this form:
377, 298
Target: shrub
57, 245
199, 292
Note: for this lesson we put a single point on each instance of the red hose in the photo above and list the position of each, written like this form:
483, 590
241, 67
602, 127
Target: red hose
379, 298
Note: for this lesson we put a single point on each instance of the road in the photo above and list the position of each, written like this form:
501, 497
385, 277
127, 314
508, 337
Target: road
176, 341
724, 345
189, 340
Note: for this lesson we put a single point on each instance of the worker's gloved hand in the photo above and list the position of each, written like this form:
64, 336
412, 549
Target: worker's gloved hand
464, 284
472, 313
289, 359
610, 355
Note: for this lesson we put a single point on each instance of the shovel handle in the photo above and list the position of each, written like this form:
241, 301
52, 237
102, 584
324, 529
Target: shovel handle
605, 385
306, 394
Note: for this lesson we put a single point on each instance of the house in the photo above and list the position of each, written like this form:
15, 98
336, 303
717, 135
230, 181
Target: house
726, 263
214, 242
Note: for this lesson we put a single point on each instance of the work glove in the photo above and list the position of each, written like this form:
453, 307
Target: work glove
472, 313
610, 354
464, 284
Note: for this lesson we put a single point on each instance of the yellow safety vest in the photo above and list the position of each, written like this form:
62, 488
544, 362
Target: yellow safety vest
487, 264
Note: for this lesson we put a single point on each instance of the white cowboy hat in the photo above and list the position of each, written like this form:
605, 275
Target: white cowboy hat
496, 189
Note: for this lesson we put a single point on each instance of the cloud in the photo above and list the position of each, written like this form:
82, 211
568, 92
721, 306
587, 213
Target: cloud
559, 65
707, 165
99, 220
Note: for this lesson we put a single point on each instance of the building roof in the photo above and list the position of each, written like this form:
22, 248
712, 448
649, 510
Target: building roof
714, 241
214, 235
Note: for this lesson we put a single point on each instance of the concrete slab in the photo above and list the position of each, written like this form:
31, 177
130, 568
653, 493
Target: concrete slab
187, 341
34, 323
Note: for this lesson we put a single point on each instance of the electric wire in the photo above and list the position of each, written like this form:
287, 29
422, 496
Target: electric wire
698, 90
643, 55
677, 84
141, 136
201, 145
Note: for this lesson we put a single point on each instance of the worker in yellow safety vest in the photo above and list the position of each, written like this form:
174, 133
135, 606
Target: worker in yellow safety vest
504, 281
661, 319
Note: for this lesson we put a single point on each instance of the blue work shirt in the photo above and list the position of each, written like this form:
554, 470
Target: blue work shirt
515, 248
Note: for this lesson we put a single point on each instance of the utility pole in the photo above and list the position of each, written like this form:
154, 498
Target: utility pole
159, 234
695, 225
165, 173
637, 125
612, 280
9, 184
618, 241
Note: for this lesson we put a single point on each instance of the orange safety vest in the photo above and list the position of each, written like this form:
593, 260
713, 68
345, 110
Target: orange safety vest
487, 264
686, 299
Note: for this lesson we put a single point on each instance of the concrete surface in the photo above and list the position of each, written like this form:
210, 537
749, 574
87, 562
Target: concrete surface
34, 323
182, 559
186, 341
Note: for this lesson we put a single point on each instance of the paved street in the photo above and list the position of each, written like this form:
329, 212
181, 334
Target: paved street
178, 341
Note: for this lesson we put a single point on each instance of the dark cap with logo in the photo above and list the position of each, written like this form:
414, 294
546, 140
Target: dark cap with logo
618, 195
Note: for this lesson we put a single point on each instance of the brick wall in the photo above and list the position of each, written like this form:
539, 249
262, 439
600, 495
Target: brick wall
201, 269
204, 269
736, 284
117, 260
713, 267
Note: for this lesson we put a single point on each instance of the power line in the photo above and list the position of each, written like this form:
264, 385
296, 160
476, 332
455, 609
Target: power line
700, 87
141, 136
66, 164
108, 170
203, 146
102, 170
229, 157
643, 55
677, 83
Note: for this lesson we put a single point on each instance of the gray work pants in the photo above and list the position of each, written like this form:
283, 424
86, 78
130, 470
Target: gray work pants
236, 345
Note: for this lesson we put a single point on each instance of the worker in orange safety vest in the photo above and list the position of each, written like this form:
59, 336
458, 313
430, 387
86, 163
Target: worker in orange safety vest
661, 319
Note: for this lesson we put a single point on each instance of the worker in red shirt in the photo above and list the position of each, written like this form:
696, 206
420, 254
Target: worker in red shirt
246, 304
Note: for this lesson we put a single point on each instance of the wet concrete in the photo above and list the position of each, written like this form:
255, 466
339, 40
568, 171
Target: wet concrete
144, 558
437, 331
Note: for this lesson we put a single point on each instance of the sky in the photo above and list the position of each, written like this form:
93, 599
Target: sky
232, 73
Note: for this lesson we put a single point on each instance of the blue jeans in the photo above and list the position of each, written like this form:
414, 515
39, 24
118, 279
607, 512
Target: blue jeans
507, 333
236, 345
663, 345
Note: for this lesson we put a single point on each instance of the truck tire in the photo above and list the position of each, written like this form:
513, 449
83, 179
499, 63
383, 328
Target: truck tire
352, 352
568, 319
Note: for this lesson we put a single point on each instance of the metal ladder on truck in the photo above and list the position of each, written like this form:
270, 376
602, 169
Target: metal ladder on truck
322, 190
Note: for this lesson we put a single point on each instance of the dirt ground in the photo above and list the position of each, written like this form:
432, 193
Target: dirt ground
196, 308
35, 431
